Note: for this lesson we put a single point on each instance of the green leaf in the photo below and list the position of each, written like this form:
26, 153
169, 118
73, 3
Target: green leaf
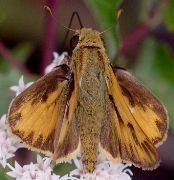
164, 61
155, 70
63, 168
105, 11
169, 14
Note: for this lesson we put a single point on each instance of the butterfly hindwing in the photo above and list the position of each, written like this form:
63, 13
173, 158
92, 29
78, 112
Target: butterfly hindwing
131, 129
36, 115
124, 142
147, 110
67, 137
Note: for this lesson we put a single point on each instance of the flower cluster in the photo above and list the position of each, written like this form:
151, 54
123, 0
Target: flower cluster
57, 60
42, 169
21, 86
104, 170
8, 144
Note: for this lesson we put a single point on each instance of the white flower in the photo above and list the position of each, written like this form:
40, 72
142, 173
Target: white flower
104, 170
57, 60
8, 144
40, 171
21, 86
43, 164
3, 122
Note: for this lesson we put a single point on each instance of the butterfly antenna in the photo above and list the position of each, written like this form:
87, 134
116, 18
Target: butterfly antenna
106, 29
70, 29
118, 14
70, 24
72, 17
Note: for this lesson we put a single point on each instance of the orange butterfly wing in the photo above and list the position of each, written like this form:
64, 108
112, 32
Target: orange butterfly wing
37, 115
136, 122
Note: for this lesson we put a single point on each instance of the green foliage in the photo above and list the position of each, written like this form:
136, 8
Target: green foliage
7, 79
22, 51
63, 168
156, 70
3, 175
155, 66
164, 61
106, 14
169, 14
9, 76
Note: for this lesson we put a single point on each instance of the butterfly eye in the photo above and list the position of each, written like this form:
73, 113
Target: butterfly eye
74, 41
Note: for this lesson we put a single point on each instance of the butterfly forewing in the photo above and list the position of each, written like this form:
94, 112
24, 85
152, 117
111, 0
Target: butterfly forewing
36, 114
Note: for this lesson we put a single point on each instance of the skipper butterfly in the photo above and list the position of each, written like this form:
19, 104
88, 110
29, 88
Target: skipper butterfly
92, 107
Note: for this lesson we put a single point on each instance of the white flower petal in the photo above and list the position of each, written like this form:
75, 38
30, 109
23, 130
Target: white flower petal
9, 155
8, 144
31, 171
14, 88
78, 163
39, 159
12, 174
21, 83
3, 122
55, 55
104, 169
55, 177
17, 166
57, 60
21, 86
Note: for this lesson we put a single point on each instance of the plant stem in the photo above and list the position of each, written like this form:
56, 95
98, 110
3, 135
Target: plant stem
134, 38
49, 35
8, 56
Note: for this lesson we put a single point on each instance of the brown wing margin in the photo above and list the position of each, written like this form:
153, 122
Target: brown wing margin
139, 96
121, 142
124, 137
35, 115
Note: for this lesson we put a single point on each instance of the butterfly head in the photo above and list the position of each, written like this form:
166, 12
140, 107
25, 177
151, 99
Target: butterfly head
87, 37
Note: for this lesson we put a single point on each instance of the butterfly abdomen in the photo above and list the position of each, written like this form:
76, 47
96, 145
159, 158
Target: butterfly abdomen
90, 105
90, 112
